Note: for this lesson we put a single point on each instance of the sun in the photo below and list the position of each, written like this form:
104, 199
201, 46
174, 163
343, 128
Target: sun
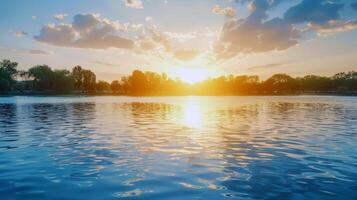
192, 75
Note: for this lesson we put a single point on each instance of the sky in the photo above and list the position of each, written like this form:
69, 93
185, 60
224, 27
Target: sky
183, 38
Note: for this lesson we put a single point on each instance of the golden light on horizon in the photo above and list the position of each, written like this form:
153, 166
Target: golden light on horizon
192, 75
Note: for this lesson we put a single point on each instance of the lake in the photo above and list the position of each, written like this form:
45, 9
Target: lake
84, 148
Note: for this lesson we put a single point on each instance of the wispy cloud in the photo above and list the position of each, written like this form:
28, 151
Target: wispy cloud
104, 63
60, 16
266, 66
27, 51
18, 33
134, 3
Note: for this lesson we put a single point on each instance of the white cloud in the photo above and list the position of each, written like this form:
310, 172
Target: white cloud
181, 37
148, 19
86, 31
60, 16
91, 31
134, 3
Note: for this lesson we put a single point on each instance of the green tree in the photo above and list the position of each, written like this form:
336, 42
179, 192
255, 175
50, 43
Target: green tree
8, 71
77, 73
42, 77
62, 81
46, 80
89, 81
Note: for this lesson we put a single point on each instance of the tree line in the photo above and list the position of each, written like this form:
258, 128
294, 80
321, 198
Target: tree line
41, 79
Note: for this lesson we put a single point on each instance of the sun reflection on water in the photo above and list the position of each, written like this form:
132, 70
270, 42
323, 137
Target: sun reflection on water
192, 115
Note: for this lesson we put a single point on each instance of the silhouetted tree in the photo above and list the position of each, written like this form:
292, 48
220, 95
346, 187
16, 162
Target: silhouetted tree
62, 81
45, 79
102, 86
115, 86
42, 77
89, 81
77, 74
280, 84
8, 71
138, 83
314, 83
345, 81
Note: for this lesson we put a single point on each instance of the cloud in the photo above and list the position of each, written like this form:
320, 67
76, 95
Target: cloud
186, 54
27, 51
316, 11
91, 31
258, 32
158, 37
33, 52
33, 17
18, 33
321, 16
105, 63
228, 11
134, 3
60, 16
333, 26
86, 31
253, 35
148, 19
181, 37
259, 67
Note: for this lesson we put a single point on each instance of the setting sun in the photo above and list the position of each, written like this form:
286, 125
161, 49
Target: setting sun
192, 75
173, 99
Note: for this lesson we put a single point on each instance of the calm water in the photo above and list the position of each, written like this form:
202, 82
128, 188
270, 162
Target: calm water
178, 148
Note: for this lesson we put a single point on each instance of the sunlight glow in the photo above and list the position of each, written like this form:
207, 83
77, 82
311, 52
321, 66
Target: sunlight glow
192, 75
192, 115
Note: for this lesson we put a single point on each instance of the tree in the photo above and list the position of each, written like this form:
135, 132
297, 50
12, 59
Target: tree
78, 77
45, 79
8, 71
280, 84
345, 81
115, 86
42, 77
314, 83
246, 84
102, 86
89, 81
62, 81
138, 82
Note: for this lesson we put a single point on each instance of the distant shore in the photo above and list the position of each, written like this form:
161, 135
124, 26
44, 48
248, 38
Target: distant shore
73, 94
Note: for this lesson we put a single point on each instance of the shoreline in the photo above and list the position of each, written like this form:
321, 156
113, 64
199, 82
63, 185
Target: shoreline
351, 94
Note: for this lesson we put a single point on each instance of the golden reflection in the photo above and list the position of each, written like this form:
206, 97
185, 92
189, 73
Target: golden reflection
192, 114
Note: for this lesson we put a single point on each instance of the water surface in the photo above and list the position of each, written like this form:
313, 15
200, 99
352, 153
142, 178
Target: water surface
301, 147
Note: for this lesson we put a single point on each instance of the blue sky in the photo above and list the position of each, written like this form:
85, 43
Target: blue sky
207, 37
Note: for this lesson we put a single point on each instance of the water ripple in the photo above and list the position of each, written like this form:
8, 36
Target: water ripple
178, 148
